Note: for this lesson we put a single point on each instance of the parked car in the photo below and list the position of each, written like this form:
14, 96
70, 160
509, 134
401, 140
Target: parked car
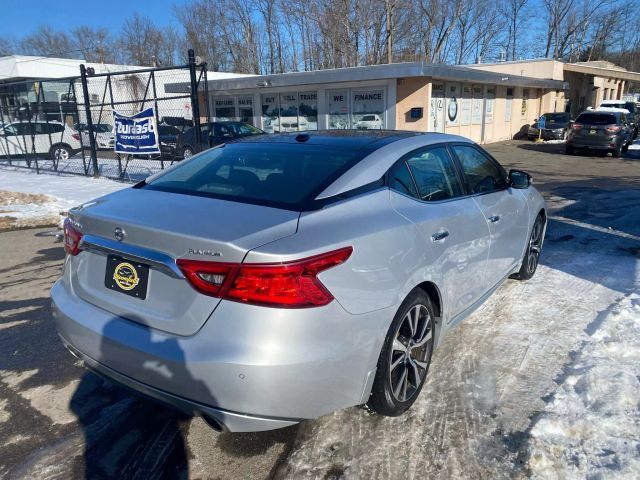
368, 122
220, 132
53, 139
282, 277
556, 127
289, 124
601, 131
168, 139
634, 112
103, 134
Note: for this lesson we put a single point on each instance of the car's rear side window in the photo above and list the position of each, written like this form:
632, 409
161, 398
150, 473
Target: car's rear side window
276, 174
434, 173
483, 174
401, 181
596, 118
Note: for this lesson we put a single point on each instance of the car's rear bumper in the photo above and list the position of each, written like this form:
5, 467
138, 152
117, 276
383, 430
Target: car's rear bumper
600, 144
246, 368
220, 419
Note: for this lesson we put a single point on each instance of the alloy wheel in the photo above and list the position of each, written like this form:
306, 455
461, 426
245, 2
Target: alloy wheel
61, 154
411, 353
535, 245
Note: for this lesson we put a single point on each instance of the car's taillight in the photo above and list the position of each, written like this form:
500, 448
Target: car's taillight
72, 237
612, 128
206, 277
75, 136
576, 126
289, 284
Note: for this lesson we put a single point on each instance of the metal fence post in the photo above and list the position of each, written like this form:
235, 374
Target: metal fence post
195, 103
87, 107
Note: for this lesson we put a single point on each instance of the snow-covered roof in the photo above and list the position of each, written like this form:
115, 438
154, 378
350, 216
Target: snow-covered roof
18, 67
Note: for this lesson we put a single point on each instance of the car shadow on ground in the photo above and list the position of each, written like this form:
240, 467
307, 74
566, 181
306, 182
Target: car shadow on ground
129, 436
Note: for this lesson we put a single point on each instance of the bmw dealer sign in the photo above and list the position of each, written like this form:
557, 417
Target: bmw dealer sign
136, 135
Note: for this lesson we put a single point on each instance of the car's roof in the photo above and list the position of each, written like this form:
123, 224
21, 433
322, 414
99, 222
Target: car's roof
367, 140
608, 111
386, 148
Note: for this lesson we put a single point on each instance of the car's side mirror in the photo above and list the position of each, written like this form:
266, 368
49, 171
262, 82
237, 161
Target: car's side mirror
519, 179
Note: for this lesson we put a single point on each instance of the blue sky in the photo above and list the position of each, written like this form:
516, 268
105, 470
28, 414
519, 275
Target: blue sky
22, 17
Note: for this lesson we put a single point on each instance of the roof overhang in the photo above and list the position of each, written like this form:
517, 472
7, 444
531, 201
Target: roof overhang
603, 72
444, 72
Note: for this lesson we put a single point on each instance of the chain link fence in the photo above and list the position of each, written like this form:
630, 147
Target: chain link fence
66, 125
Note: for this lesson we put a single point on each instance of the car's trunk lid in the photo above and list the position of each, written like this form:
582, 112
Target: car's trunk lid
158, 228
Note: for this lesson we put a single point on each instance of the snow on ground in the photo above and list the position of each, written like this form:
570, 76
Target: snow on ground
592, 427
516, 390
134, 170
46, 195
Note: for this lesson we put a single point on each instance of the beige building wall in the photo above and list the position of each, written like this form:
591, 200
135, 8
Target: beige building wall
485, 113
412, 92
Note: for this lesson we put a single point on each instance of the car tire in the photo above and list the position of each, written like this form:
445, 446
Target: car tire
60, 151
405, 357
187, 152
532, 253
569, 150
617, 152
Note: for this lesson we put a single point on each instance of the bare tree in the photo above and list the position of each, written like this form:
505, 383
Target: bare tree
513, 10
143, 43
95, 44
48, 42
7, 47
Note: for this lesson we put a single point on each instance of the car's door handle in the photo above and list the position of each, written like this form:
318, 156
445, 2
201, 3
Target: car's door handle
436, 237
494, 218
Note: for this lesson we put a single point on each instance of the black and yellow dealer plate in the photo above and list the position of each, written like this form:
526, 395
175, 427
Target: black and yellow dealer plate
126, 276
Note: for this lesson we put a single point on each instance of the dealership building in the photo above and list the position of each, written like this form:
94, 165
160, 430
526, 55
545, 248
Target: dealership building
484, 102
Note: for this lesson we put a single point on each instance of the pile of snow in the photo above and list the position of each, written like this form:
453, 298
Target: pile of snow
31, 199
591, 427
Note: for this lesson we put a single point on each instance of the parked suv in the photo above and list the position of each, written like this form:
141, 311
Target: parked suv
53, 139
603, 131
220, 132
634, 112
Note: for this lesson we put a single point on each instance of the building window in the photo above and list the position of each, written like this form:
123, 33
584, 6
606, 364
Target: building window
476, 107
308, 111
269, 111
367, 109
488, 104
245, 109
289, 111
225, 108
338, 109
524, 109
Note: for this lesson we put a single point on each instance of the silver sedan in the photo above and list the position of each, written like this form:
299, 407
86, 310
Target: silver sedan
282, 277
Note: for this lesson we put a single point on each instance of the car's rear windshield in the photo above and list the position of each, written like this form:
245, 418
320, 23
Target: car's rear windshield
274, 174
556, 117
596, 118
